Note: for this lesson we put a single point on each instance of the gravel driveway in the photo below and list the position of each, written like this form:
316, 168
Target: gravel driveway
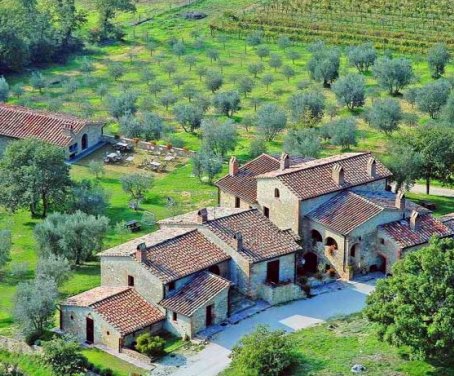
293, 316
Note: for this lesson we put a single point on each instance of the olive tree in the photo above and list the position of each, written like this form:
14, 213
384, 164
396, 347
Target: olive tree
227, 103
362, 56
432, 97
271, 120
438, 57
393, 74
5, 247
4, 89
219, 138
137, 185
343, 132
189, 116
324, 63
307, 107
350, 91
206, 164
303, 142
385, 115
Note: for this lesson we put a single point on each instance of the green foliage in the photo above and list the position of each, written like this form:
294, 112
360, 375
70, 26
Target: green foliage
64, 356
227, 103
245, 85
303, 142
75, 236
38, 81
122, 104
405, 165
447, 114
307, 107
137, 185
271, 120
214, 81
150, 345
96, 168
362, 56
219, 138
343, 132
438, 57
116, 70
189, 116
263, 352
393, 74
35, 305
257, 147
350, 91
53, 267
324, 64
385, 115
5, 247
88, 197
107, 9
414, 307
433, 96
34, 176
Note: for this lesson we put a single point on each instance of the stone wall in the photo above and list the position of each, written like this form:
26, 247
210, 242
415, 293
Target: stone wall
283, 209
228, 200
259, 273
115, 271
155, 329
281, 294
94, 134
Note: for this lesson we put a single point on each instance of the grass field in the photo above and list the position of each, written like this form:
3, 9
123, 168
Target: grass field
331, 349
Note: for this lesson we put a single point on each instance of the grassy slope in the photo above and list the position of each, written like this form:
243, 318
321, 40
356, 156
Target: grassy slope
332, 349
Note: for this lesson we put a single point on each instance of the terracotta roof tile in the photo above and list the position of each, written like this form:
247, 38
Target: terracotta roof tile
182, 255
128, 311
122, 307
448, 220
344, 212
244, 184
314, 178
196, 293
191, 218
21, 122
261, 239
402, 233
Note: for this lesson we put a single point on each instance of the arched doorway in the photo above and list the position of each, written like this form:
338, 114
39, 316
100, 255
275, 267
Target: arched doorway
310, 263
380, 266
354, 251
331, 243
84, 141
316, 237
214, 269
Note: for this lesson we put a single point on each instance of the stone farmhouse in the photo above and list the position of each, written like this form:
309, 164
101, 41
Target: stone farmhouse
76, 136
179, 278
341, 207
280, 220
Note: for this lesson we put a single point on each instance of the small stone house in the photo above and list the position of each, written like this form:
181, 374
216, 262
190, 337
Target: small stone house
76, 136
180, 278
338, 206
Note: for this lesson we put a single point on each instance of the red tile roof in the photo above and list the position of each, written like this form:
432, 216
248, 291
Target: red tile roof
448, 220
182, 255
203, 288
344, 212
314, 178
121, 307
55, 128
402, 233
244, 184
261, 239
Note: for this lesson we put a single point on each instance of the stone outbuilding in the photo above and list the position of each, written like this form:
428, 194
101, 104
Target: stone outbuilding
112, 316
76, 136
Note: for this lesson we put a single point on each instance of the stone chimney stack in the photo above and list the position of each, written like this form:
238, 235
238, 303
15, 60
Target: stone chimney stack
233, 166
338, 174
372, 167
202, 216
400, 200
140, 252
284, 161
415, 220
239, 241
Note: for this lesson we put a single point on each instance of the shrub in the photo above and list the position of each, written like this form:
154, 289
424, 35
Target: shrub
150, 345
64, 357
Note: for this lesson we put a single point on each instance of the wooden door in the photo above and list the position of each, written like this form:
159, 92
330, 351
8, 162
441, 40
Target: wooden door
90, 330
209, 315
272, 272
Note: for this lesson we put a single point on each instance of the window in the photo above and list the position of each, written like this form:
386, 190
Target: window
108, 333
174, 316
237, 202
330, 242
316, 237
266, 212
72, 317
382, 241
272, 272
277, 194
130, 281
171, 285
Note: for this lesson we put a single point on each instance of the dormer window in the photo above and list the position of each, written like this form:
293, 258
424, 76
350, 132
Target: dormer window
277, 194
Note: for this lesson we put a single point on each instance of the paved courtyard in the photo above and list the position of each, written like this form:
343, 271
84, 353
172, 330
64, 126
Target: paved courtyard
293, 316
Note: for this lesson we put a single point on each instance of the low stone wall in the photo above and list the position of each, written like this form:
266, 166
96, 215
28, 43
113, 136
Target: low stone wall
15, 346
281, 293
150, 146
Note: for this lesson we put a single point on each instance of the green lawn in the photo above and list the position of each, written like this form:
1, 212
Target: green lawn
102, 360
331, 349
445, 205
29, 364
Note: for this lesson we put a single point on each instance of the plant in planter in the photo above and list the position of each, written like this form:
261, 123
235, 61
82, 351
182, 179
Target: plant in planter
150, 345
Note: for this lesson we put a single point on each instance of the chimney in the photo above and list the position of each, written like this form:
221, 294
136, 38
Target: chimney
140, 252
415, 220
284, 161
400, 200
338, 174
372, 167
233, 166
202, 216
239, 241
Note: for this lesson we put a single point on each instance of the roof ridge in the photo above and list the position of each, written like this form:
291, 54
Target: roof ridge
44, 113
124, 289
367, 200
173, 238
303, 167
